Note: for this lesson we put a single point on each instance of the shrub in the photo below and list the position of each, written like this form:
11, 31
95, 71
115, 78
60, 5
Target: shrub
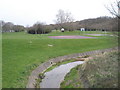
39, 28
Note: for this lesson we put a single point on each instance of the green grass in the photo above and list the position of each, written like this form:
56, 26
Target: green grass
101, 72
21, 53
76, 32
72, 79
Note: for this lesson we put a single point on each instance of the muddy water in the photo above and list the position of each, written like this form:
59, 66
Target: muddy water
54, 77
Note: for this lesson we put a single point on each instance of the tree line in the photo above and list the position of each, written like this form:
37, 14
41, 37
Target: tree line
64, 19
10, 27
100, 23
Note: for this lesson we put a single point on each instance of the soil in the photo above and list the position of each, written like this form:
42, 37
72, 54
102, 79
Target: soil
70, 37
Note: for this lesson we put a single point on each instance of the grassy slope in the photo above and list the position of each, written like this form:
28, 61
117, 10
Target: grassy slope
72, 79
101, 72
20, 56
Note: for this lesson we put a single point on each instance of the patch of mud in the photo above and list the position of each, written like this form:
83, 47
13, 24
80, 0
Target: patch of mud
69, 37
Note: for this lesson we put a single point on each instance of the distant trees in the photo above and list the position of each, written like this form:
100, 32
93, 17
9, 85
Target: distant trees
64, 19
7, 26
70, 26
10, 27
39, 28
18, 28
100, 23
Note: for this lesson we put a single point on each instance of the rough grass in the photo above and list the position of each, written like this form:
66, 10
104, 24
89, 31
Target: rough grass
72, 79
101, 72
22, 52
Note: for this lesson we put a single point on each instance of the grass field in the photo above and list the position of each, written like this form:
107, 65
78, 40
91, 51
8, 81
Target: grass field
22, 52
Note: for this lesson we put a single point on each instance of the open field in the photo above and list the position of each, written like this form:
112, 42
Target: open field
22, 52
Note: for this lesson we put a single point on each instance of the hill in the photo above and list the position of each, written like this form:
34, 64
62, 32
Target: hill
106, 23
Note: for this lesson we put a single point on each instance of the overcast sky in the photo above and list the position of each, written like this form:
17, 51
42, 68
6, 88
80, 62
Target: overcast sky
27, 12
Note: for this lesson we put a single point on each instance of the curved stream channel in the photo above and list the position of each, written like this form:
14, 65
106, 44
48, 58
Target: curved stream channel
54, 77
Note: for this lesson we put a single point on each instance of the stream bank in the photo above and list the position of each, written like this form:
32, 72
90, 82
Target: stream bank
100, 72
54, 77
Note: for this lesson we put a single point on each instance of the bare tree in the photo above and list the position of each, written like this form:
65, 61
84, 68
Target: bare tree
63, 17
60, 17
7, 26
114, 8
39, 28
18, 28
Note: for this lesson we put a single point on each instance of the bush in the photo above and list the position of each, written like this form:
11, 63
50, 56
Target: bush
39, 28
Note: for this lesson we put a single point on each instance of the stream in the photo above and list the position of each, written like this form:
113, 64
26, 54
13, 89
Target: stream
54, 77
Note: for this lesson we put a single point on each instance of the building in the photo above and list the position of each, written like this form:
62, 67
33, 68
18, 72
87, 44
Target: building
82, 29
